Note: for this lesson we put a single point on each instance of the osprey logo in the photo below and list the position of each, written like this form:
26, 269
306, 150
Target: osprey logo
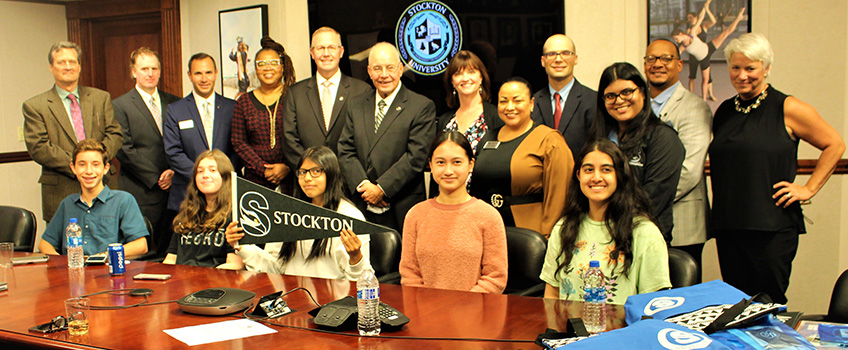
428, 35
675, 339
252, 207
661, 304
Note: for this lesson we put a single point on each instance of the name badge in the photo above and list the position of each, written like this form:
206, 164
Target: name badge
492, 145
186, 124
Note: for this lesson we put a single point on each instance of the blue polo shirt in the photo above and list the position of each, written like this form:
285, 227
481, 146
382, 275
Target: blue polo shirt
114, 217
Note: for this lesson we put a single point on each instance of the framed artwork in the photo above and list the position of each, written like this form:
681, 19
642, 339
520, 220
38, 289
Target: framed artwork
240, 32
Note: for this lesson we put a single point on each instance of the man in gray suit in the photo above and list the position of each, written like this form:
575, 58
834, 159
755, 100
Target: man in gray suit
565, 104
315, 107
384, 144
692, 118
144, 166
54, 121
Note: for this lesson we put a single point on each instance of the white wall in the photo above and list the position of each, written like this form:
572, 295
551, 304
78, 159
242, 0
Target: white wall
28, 32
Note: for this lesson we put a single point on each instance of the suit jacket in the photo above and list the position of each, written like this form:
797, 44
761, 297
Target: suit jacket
303, 118
142, 155
50, 139
692, 118
185, 139
576, 117
394, 156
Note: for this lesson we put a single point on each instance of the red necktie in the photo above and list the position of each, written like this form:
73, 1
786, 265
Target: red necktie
76, 117
558, 111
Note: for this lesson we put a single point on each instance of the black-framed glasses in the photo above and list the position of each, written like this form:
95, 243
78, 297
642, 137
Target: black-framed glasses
665, 59
379, 69
626, 95
313, 172
330, 48
552, 55
57, 324
269, 63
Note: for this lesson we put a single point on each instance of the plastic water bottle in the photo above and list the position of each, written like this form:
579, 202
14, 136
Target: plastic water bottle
368, 302
594, 299
74, 236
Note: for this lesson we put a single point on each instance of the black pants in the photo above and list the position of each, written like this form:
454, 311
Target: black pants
757, 261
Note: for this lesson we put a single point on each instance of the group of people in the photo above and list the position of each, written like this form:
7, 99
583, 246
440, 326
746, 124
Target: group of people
615, 175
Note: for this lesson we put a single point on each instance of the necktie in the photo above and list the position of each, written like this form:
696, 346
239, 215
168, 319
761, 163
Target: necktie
157, 114
380, 115
327, 103
558, 111
208, 122
76, 117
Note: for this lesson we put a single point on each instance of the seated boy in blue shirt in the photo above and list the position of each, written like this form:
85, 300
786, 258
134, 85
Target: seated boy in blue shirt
105, 216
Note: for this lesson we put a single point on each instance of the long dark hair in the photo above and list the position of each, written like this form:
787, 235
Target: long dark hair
193, 216
333, 195
288, 68
627, 203
637, 129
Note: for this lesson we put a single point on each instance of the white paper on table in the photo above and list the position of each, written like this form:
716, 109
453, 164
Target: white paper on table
219, 331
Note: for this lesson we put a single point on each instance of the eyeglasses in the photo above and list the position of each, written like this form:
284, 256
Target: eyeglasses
626, 95
313, 172
330, 49
272, 63
57, 324
665, 59
553, 55
379, 69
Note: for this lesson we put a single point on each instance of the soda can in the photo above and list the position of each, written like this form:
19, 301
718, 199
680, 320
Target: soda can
116, 259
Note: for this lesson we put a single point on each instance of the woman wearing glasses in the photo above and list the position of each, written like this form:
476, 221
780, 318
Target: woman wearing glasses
523, 168
753, 160
320, 179
653, 150
257, 129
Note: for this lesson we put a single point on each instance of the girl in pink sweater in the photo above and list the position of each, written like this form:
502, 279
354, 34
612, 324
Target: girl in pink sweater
453, 241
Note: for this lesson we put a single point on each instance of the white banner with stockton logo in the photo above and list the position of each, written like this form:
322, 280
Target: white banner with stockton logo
269, 216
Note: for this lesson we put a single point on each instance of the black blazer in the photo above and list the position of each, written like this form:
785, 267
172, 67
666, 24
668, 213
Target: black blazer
576, 117
490, 115
303, 118
142, 154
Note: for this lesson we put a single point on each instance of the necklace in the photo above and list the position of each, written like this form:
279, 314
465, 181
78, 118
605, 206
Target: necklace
753, 106
272, 119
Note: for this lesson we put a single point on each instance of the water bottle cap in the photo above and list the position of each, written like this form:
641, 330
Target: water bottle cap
594, 263
73, 220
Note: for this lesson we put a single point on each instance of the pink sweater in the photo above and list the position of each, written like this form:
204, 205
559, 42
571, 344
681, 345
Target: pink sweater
454, 246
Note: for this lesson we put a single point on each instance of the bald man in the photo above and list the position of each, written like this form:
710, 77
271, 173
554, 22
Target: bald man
383, 146
692, 118
565, 104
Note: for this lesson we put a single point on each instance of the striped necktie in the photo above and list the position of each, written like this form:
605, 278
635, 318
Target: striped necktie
380, 114
157, 114
76, 117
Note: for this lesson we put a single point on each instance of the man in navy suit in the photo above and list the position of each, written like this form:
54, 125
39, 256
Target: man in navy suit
145, 171
199, 122
564, 104
384, 144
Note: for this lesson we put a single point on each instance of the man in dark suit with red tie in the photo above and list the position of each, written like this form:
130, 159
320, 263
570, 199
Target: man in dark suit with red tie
57, 119
316, 106
565, 104
145, 172
199, 122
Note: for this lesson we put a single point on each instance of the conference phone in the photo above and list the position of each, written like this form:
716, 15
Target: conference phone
342, 315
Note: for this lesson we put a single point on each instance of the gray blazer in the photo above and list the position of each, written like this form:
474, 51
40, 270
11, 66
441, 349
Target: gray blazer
303, 118
142, 154
692, 118
50, 140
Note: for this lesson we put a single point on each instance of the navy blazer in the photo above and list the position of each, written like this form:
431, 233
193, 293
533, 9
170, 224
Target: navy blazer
577, 116
185, 139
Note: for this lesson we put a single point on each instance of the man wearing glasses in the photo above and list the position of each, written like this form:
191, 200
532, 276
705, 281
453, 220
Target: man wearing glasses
315, 107
565, 104
384, 144
199, 122
692, 118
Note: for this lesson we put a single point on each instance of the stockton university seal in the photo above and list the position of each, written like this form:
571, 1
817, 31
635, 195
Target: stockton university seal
428, 35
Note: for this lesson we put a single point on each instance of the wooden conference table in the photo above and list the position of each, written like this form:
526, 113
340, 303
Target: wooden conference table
36, 293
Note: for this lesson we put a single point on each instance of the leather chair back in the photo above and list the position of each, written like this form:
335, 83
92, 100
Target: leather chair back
17, 225
838, 309
526, 253
385, 253
682, 268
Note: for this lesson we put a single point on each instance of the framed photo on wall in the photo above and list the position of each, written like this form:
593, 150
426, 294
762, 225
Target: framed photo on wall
240, 31
701, 29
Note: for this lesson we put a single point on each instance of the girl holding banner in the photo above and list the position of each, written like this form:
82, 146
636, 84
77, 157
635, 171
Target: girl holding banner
320, 182
198, 237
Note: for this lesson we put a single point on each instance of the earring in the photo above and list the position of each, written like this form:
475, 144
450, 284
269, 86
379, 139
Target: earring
480, 91
454, 92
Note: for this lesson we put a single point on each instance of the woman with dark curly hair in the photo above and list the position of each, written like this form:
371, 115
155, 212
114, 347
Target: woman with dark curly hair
257, 129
